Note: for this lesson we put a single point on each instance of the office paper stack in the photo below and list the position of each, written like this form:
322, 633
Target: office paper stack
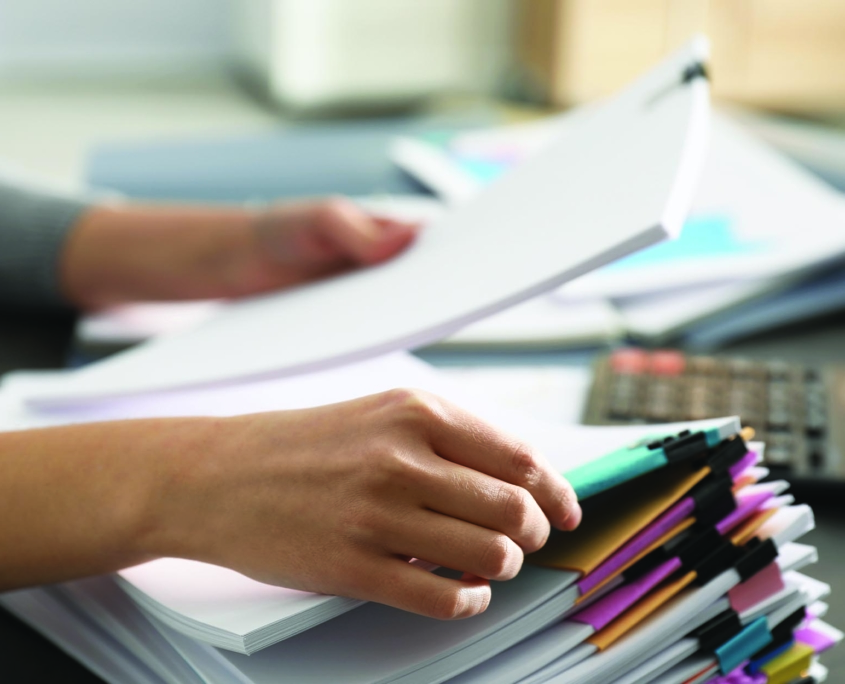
683, 558
684, 561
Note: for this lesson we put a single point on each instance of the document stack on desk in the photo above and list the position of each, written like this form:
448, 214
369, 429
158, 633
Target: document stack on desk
684, 562
682, 556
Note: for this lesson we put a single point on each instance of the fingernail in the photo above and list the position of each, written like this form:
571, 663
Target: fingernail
574, 518
393, 228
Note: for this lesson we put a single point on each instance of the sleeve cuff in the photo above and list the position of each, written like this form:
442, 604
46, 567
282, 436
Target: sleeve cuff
33, 229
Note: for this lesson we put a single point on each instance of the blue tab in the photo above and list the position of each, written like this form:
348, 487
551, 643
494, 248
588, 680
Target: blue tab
713, 436
756, 665
740, 648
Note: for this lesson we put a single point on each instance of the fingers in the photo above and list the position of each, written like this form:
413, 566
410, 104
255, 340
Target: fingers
456, 544
362, 238
462, 438
407, 587
460, 492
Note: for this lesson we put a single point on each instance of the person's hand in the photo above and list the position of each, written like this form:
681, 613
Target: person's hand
117, 254
337, 499
302, 241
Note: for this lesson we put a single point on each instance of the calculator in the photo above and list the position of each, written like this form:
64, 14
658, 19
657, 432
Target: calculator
797, 410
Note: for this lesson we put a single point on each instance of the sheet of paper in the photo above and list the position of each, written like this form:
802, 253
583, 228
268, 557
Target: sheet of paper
543, 323
741, 226
619, 181
375, 643
91, 646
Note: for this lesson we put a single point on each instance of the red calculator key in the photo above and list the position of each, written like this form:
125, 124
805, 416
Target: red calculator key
629, 361
666, 362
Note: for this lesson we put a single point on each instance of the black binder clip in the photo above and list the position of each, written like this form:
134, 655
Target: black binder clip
717, 631
757, 555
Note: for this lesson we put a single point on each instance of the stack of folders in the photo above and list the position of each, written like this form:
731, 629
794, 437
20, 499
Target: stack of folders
685, 568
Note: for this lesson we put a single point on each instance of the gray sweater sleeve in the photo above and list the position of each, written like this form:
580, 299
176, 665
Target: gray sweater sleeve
34, 224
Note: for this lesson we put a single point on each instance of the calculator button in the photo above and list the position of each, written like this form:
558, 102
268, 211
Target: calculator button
666, 362
779, 370
816, 457
629, 361
779, 450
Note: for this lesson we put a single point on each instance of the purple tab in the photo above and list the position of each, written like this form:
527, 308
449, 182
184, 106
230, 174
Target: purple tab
740, 676
818, 641
637, 544
602, 612
746, 506
742, 464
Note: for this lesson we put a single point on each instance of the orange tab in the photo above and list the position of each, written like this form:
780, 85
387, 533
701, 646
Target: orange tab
639, 611
743, 481
743, 534
610, 521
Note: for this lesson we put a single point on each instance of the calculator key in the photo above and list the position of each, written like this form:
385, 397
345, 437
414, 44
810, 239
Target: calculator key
816, 458
629, 361
703, 365
779, 450
779, 370
667, 362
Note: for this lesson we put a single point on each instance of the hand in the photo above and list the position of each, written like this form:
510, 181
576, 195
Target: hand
304, 241
336, 499
137, 253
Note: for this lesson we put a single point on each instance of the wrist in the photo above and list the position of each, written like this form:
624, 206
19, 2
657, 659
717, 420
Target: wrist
136, 253
192, 462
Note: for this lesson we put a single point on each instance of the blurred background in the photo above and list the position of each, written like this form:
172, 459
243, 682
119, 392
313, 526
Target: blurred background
74, 73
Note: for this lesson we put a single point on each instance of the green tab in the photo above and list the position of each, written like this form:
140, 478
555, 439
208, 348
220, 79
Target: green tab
613, 469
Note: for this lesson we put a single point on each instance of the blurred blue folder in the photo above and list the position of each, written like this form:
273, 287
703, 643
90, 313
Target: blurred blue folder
348, 158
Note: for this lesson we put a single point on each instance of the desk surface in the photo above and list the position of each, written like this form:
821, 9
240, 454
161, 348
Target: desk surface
33, 342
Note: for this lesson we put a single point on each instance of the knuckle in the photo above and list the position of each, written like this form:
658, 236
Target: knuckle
518, 508
497, 559
447, 605
525, 465
394, 469
412, 403
388, 466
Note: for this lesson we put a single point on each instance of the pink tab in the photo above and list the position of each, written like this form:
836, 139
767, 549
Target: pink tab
759, 587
